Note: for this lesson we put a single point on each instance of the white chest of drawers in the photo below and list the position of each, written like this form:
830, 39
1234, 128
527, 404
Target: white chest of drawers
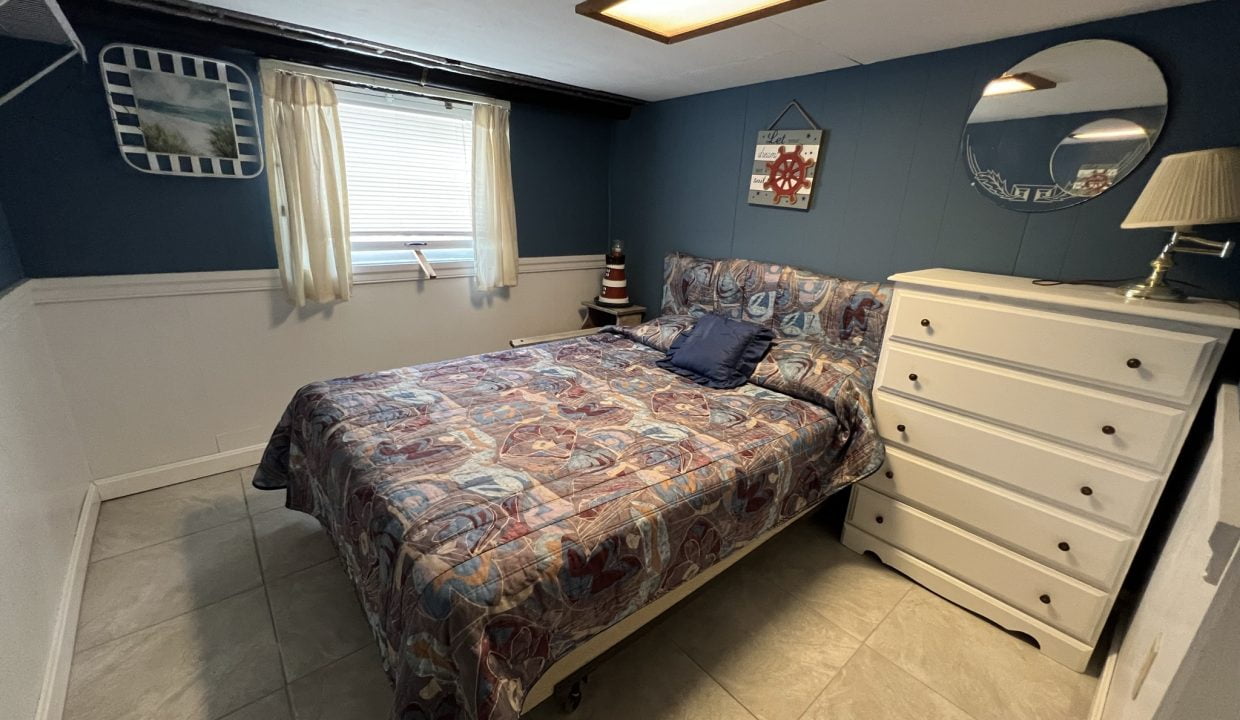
1030, 432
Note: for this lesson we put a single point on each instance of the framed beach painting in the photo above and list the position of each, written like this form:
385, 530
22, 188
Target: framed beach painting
179, 114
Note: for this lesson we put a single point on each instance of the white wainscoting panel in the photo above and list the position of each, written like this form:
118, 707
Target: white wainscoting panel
158, 368
43, 478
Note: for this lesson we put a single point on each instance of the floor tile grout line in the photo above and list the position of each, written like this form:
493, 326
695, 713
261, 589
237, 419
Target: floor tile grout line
923, 683
672, 639
890, 610
269, 511
825, 619
815, 610
167, 540
712, 678
245, 706
262, 582
271, 610
857, 649
830, 680
271, 613
135, 631
244, 497
900, 666
333, 661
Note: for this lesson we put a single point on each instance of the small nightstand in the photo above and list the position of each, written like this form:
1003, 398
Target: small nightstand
599, 315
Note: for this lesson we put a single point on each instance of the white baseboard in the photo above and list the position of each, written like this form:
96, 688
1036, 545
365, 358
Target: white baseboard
178, 472
1107, 675
64, 635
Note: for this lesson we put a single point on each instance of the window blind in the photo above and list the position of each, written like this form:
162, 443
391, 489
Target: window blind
407, 162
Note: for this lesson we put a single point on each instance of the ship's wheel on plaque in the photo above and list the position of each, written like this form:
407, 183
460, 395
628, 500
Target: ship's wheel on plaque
784, 164
788, 174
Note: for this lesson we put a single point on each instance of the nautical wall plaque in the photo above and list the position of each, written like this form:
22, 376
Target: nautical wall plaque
784, 166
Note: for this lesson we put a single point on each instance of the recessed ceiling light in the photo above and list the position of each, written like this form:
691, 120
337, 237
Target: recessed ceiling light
1016, 83
671, 21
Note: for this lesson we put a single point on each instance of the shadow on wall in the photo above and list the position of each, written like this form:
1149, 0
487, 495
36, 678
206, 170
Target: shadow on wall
282, 309
487, 298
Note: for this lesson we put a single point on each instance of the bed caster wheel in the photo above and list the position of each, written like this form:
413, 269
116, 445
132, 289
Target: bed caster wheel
569, 697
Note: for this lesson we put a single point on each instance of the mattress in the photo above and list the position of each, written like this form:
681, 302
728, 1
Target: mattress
496, 511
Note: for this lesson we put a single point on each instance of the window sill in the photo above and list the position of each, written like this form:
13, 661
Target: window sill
405, 272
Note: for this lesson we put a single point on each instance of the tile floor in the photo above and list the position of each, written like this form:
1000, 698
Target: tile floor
210, 601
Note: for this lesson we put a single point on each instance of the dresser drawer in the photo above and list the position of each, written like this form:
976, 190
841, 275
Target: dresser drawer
1102, 490
1048, 535
1133, 430
1168, 363
1057, 600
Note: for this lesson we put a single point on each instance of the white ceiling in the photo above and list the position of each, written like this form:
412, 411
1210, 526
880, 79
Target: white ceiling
547, 39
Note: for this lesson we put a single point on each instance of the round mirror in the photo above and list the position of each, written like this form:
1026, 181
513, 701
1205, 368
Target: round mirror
1064, 125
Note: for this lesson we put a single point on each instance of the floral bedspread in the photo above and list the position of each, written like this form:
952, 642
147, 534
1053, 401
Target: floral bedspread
496, 511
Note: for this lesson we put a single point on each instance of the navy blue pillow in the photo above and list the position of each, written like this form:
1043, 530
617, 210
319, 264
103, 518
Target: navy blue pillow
718, 352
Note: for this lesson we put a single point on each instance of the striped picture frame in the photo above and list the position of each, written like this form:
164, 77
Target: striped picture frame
180, 114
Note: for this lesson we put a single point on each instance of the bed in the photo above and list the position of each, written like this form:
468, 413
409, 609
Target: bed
502, 514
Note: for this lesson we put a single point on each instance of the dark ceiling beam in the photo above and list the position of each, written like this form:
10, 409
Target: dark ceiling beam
200, 26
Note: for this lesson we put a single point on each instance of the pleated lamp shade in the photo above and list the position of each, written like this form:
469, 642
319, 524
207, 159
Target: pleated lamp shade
1192, 188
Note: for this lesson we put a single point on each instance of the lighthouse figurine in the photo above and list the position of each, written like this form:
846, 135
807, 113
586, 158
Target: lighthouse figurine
615, 286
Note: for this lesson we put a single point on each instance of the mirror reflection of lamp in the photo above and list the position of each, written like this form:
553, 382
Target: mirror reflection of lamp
1187, 189
1095, 155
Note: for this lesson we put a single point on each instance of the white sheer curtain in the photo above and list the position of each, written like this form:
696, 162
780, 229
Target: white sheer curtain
306, 179
495, 214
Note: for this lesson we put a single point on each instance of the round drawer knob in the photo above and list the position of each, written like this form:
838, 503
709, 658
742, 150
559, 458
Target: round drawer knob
1134, 363
900, 428
912, 376
878, 519
1087, 490
1065, 546
1108, 429
1046, 599
925, 322
889, 474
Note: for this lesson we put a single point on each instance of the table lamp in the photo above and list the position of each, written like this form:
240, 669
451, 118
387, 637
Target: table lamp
1187, 189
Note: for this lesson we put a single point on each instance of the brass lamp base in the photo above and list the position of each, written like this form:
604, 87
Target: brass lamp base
1153, 287
1150, 291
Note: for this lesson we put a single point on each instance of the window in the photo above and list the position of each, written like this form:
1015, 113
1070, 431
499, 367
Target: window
407, 162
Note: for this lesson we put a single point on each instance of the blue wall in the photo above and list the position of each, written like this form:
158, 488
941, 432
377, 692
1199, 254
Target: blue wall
559, 176
893, 193
10, 265
76, 208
